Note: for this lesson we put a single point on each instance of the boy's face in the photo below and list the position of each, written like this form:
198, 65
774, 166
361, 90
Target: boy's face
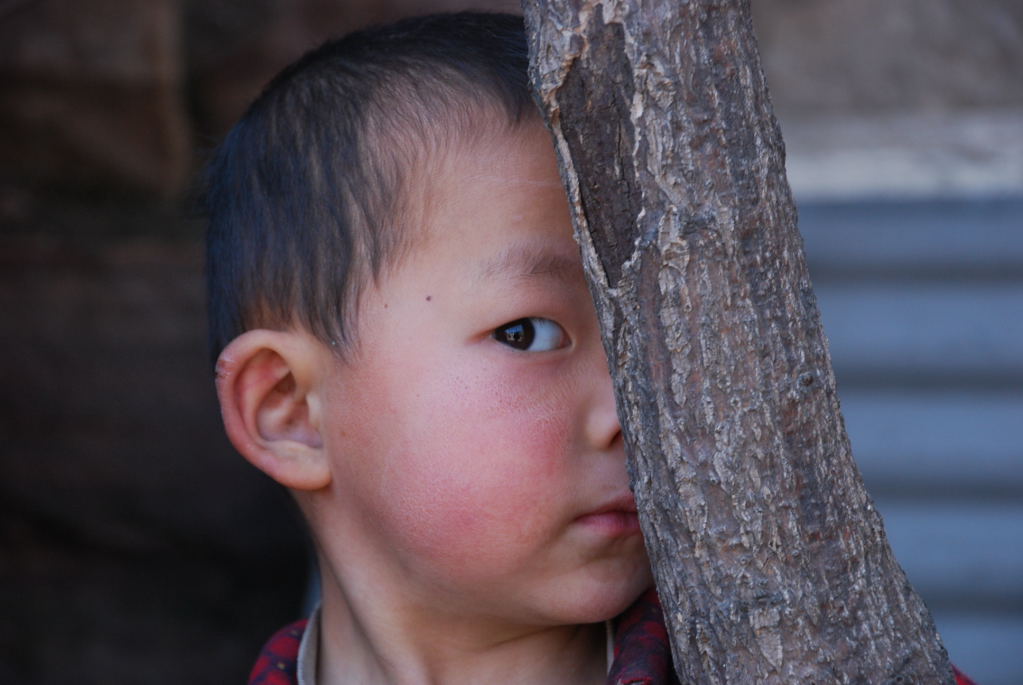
477, 461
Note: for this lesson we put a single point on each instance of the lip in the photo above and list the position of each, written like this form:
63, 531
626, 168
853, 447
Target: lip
615, 518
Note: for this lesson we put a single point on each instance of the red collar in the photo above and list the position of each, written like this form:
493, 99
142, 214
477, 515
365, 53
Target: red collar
642, 654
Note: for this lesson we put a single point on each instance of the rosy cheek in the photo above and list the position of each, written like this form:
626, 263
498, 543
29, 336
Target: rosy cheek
466, 469
480, 495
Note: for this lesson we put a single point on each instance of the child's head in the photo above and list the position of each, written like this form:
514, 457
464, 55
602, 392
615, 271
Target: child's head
461, 458
320, 186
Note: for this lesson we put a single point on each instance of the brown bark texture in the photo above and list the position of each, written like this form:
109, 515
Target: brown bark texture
771, 562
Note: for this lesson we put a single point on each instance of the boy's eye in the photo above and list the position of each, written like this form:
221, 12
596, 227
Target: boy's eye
532, 335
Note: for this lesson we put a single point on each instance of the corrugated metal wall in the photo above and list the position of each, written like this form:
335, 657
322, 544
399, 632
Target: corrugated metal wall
922, 301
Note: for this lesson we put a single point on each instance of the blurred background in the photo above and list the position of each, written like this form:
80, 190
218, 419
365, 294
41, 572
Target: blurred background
136, 547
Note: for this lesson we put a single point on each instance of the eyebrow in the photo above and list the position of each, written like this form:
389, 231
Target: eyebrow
522, 262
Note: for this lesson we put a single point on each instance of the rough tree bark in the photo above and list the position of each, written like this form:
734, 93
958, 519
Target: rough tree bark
770, 559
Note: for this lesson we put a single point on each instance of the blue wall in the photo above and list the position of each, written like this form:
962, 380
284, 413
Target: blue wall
922, 302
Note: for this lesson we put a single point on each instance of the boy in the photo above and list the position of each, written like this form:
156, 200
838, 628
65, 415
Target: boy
407, 342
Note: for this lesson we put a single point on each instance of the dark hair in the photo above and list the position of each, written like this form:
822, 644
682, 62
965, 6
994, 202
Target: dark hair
308, 196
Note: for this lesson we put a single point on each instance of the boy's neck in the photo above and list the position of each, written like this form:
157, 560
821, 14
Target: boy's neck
361, 642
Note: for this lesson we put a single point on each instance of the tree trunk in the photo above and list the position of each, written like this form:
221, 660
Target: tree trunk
770, 559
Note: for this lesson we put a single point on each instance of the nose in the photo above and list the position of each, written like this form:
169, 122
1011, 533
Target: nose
603, 428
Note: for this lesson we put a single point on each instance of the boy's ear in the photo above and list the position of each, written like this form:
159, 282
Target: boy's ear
271, 408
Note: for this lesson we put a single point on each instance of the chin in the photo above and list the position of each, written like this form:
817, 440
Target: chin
595, 602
